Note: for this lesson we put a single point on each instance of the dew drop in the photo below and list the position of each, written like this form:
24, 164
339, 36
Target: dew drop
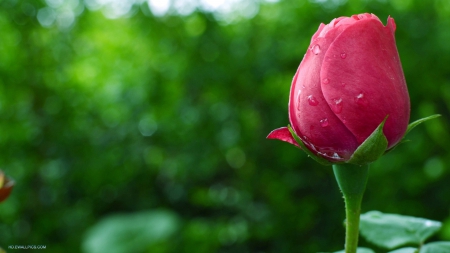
343, 55
326, 81
336, 106
336, 156
361, 100
330, 153
343, 84
324, 122
312, 100
298, 101
316, 49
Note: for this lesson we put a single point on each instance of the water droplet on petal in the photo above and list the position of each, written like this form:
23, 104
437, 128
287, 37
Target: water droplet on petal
316, 49
330, 153
343, 84
361, 100
343, 55
336, 106
336, 156
324, 122
326, 81
312, 100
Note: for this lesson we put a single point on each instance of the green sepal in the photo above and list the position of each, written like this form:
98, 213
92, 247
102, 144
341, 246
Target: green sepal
411, 126
372, 148
316, 157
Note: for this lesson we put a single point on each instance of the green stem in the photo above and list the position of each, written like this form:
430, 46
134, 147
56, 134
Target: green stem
352, 180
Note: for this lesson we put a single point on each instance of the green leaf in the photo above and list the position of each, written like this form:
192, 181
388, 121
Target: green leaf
405, 250
412, 125
359, 250
372, 148
316, 157
436, 247
129, 233
393, 230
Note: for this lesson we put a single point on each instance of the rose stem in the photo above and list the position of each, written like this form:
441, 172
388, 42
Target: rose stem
352, 180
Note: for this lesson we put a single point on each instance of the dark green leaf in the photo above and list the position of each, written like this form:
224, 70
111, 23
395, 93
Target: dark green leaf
316, 157
393, 230
436, 247
372, 148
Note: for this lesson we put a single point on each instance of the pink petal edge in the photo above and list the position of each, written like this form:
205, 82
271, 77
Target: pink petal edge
282, 134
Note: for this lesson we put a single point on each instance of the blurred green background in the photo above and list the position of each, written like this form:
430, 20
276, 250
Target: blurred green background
139, 126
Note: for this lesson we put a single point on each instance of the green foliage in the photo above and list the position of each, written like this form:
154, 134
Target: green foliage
360, 250
432, 247
392, 230
102, 115
123, 233
405, 250
436, 247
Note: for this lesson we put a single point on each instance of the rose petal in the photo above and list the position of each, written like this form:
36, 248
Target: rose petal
309, 113
282, 134
365, 73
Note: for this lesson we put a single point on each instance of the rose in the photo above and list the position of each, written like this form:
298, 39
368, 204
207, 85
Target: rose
348, 82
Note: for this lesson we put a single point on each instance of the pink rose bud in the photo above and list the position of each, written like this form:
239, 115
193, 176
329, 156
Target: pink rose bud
349, 80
